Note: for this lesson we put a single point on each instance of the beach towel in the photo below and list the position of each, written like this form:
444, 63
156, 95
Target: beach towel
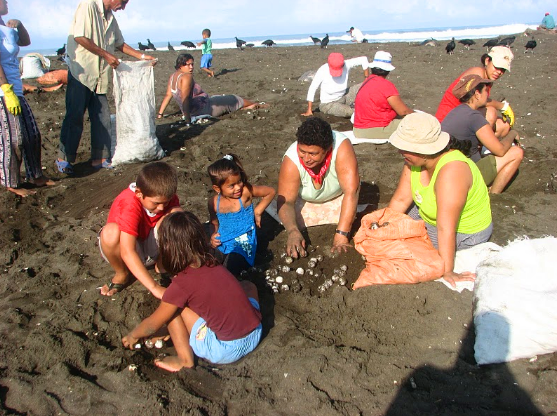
515, 302
134, 95
397, 250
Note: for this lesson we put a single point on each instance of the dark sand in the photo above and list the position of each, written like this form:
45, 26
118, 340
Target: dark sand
337, 353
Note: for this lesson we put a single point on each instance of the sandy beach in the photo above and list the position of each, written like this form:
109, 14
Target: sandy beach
382, 350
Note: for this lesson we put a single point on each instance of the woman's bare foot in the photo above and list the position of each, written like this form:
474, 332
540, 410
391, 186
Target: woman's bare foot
171, 363
43, 181
256, 106
22, 192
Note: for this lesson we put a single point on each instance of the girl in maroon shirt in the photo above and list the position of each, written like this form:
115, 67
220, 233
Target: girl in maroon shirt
206, 310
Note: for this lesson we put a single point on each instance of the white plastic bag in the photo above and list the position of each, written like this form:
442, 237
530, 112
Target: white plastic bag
134, 94
33, 65
515, 298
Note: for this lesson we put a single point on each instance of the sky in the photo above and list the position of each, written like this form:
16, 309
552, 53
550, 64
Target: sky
48, 21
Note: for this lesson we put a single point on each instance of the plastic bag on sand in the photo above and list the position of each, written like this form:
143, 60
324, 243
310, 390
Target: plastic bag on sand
397, 252
134, 94
515, 298
59, 76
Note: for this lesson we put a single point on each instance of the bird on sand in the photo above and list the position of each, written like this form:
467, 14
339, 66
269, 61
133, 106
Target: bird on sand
506, 41
491, 43
249, 45
150, 45
467, 43
268, 43
530, 45
316, 41
429, 42
141, 46
170, 47
239, 43
187, 44
61, 51
325, 41
450, 47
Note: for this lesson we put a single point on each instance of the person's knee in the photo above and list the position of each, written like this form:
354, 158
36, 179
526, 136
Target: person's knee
491, 115
502, 128
249, 289
110, 236
517, 153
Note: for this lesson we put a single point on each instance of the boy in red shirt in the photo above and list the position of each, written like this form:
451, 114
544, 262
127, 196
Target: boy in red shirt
128, 241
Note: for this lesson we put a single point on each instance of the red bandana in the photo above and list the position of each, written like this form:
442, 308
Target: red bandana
319, 176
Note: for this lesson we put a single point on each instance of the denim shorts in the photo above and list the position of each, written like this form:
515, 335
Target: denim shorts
205, 343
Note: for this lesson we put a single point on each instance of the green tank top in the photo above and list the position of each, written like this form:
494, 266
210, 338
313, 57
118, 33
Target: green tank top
476, 214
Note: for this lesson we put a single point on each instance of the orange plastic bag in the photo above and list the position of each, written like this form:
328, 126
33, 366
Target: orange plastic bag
397, 250
59, 76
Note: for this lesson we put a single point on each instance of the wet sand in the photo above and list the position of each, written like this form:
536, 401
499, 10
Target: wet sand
394, 350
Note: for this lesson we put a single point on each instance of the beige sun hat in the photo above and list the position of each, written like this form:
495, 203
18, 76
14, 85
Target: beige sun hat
420, 133
501, 56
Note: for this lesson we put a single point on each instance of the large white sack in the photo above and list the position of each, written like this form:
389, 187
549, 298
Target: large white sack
134, 94
33, 65
515, 302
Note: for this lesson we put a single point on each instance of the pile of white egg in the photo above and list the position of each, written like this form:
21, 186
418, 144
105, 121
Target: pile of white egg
275, 280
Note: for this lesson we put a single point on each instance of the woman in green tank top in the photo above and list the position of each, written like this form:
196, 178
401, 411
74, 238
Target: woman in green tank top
445, 186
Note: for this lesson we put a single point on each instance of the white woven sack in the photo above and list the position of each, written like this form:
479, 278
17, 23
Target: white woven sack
134, 94
32, 67
515, 298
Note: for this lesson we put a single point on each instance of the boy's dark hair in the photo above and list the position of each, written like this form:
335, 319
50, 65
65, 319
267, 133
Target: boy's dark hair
470, 94
182, 59
157, 179
380, 72
183, 242
315, 132
228, 165
484, 58
206, 32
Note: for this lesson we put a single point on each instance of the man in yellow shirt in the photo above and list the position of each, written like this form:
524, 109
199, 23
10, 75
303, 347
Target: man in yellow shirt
94, 36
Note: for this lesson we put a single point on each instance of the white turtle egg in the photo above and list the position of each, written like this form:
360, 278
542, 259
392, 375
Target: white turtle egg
279, 279
300, 271
159, 343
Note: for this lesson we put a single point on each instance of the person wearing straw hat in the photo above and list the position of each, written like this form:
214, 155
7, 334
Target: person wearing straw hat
442, 186
378, 108
494, 65
465, 122
335, 98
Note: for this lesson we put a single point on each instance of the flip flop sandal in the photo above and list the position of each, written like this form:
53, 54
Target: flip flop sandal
64, 167
104, 165
117, 286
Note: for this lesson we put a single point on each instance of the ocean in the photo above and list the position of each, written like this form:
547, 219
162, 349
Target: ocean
373, 36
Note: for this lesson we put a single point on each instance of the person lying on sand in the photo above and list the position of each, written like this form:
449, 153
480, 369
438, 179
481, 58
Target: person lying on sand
128, 240
207, 311
193, 101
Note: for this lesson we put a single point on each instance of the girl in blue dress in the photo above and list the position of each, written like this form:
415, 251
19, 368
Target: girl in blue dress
233, 214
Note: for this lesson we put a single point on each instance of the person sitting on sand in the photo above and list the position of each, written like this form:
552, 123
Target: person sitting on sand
128, 240
442, 186
378, 108
318, 184
234, 215
495, 63
465, 122
548, 22
335, 98
20, 139
207, 311
193, 101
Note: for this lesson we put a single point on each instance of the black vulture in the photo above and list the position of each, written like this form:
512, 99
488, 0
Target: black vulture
530, 45
188, 44
61, 51
141, 46
467, 43
450, 47
170, 47
325, 41
150, 45
316, 41
268, 43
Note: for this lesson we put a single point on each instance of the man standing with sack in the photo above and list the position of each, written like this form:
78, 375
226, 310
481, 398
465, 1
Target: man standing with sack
94, 36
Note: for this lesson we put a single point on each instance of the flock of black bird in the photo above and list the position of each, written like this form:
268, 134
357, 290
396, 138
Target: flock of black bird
241, 44
499, 41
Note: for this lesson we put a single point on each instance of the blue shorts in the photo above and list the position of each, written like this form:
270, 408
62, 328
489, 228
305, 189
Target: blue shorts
205, 343
206, 60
